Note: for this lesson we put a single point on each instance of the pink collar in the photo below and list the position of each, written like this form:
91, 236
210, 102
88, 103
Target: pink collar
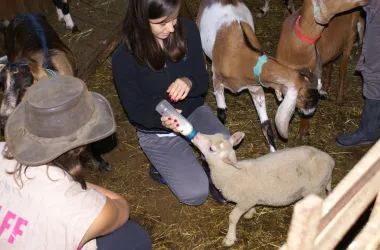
302, 37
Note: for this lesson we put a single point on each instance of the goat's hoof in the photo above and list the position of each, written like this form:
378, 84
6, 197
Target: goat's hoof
303, 136
75, 29
222, 115
229, 241
323, 94
103, 166
262, 14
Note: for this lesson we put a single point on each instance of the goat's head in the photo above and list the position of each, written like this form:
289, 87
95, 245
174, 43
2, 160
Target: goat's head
216, 147
305, 97
15, 78
309, 96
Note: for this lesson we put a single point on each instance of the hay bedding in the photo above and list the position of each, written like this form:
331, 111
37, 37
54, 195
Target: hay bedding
176, 226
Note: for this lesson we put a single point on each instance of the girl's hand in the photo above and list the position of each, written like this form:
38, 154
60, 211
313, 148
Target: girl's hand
171, 123
179, 89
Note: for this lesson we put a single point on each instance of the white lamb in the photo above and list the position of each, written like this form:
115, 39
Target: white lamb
276, 179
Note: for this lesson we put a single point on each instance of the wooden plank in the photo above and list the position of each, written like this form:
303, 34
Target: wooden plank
117, 7
88, 67
304, 225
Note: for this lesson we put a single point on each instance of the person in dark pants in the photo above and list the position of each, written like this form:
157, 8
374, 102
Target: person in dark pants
161, 57
369, 66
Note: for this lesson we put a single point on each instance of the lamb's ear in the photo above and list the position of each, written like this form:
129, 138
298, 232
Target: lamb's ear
229, 161
236, 138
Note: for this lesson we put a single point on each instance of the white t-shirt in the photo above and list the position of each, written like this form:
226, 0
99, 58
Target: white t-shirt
50, 211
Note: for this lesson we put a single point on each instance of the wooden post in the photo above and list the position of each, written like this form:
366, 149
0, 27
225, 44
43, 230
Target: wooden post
369, 237
304, 225
349, 199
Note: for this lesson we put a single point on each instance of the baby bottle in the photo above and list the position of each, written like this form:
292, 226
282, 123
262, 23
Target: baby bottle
167, 110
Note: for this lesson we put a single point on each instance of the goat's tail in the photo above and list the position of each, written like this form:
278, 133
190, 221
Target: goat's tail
248, 42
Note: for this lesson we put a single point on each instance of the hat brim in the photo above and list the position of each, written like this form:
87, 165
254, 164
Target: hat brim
27, 151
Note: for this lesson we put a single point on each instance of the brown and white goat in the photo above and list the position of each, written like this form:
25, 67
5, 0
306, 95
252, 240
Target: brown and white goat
34, 51
301, 30
228, 39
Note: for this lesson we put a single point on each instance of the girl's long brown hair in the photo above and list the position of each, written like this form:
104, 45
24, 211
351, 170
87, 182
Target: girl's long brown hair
139, 39
68, 162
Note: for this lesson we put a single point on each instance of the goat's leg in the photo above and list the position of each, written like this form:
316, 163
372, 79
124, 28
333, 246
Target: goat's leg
249, 215
326, 81
63, 11
291, 6
220, 100
98, 148
343, 71
360, 30
264, 10
234, 218
258, 98
303, 130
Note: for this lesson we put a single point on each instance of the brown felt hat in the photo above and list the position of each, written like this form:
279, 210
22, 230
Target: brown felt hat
56, 115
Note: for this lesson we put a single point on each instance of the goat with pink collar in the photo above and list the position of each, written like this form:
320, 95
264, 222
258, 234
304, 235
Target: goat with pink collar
276, 179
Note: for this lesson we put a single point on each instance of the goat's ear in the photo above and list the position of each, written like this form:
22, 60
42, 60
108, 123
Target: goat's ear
236, 138
2, 66
226, 159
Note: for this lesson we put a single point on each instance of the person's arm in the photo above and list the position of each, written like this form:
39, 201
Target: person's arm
199, 76
140, 108
113, 215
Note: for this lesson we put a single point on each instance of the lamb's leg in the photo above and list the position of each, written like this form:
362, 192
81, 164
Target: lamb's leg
291, 6
258, 98
220, 100
328, 187
264, 10
249, 215
234, 217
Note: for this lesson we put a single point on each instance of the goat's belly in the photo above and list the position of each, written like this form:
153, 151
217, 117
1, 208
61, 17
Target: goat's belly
217, 15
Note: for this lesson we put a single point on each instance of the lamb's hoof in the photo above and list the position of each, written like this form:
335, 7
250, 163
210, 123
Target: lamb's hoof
248, 216
229, 241
75, 29
103, 166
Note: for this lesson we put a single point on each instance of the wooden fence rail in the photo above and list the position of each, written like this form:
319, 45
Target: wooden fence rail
321, 224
